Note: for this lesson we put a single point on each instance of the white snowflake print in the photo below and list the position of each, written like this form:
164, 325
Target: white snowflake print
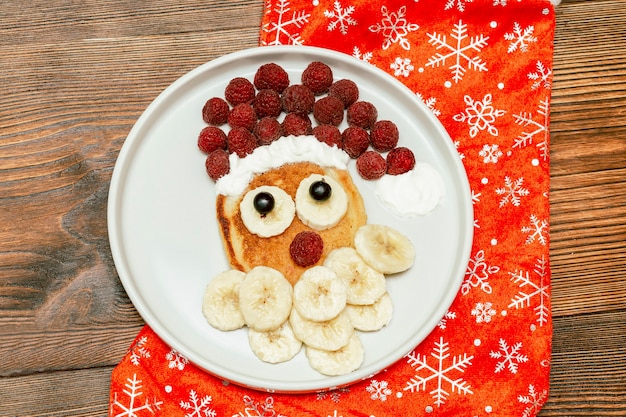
430, 103
509, 357
341, 18
480, 115
477, 274
460, 4
394, 28
198, 406
443, 323
379, 390
476, 197
363, 56
459, 51
282, 28
334, 395
530, 290
440, 373
541, 77
539, 129
134, 405
457, 144
138, 351
512, 192
258, 409
499, 3
176, 360
490, 153
537, 230
520, 38
534, 400
483, 312
335, 414
402, 66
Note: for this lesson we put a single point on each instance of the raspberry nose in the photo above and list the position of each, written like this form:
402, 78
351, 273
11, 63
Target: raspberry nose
306, 248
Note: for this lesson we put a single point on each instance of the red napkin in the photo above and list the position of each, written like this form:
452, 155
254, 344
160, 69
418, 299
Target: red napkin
484, 67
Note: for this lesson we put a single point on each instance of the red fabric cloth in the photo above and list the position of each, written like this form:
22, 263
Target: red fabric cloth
484, 68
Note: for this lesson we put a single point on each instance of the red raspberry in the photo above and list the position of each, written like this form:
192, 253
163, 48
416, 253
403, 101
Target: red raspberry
371, 165
271, 76
241, 141
345, 90
267, 130
298, 99
242, 115
306, 248
217, 164
328, 134
318, 77
211, 138
384, 135
328, 110
215, 111
362, 114
239, 90
296, 124
400, 160
267, 103
356, 140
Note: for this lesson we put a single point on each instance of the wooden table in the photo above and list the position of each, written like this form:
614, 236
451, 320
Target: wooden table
75, 76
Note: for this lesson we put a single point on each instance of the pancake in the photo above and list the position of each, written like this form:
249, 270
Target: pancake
245, 250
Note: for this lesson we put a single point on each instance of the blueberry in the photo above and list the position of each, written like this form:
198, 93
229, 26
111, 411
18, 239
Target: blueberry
263, 202
320, 190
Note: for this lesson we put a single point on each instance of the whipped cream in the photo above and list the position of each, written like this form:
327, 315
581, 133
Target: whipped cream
289, 149
414, 193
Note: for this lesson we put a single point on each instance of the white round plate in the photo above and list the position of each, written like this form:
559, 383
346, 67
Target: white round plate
166, 244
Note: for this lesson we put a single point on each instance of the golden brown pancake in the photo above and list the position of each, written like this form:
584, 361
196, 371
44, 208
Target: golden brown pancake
246, 250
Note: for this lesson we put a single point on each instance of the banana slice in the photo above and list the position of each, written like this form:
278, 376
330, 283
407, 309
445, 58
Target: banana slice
319, 295
372, 317
322, 206
220, 303
327, 335
267, 211
384, 248
338, 362
365, 284
274, 346
265, 298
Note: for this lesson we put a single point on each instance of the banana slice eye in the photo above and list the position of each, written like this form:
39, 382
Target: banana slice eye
321, 202
267, 211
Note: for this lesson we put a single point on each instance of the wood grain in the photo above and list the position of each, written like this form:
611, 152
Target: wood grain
77, 75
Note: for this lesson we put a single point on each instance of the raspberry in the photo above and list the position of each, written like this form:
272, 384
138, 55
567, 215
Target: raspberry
328, 110
345, 90
271, 76
400, 160
371, 165
239, 90
356, 140
318, 77
267, 103
242, 115
296, 124
306, 248
384, 135
217, 164
298, 99
362, 114
215, 111
211, 138
328, 134
241, 141
267, 130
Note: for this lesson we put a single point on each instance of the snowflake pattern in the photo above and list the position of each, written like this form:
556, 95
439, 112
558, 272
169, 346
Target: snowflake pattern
459, 51
539, 129
281, 30
509, 356
443, 323
483, 312
430, 103
198, 406
363, 56
258, 409
520, 38
534, 400
394, 28
131, 409
536, 290
536, 230
379, 390
477, 274
512, 192
138, 350
340, 18
460, 4
334, 395
440, 373
479, 115
176, 360
402, 67
490, 153
541, 77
